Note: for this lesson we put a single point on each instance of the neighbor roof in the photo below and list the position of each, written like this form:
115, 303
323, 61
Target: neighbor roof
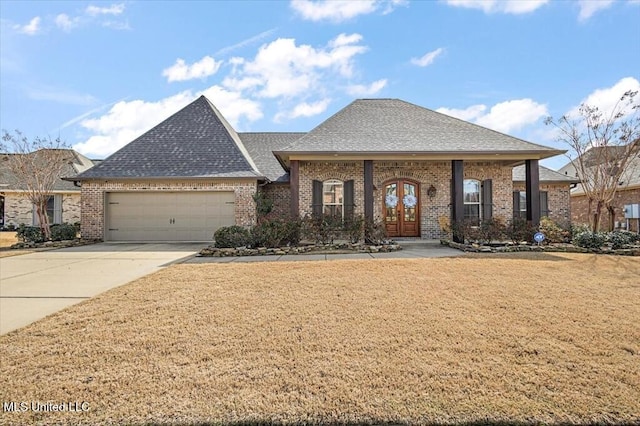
261, 146
546, 175
395, 126
195, 142
77, 163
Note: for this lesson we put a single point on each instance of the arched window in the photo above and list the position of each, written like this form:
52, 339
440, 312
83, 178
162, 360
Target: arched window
472, 201
333, 198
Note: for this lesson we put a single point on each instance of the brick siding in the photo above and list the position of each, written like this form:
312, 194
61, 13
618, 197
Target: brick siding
93, 196
280, 195
19, 210
557, 199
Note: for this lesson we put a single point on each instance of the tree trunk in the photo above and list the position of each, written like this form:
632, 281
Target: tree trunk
612, 217
596, 217
43, 219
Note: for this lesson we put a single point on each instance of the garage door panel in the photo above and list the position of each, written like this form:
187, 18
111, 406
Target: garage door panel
167, 216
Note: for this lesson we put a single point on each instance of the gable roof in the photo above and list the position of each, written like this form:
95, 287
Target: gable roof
546, 175
261, 146
195, 142
384, 126
76, 163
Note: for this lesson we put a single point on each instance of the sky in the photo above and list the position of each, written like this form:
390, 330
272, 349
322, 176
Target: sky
99, 74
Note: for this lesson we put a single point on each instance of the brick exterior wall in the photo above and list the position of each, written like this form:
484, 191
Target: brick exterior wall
280, 195
580, 209
426, 173
93, 196
558, 198
19, 210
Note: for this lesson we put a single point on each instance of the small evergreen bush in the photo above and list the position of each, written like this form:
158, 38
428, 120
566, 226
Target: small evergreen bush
29, 234
519, 230
620, 239
232, 237
590, 240
553, 233
375, 232
354, 228
63, 231
276, 233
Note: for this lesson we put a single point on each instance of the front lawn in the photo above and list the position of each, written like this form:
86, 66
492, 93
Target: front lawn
518, 338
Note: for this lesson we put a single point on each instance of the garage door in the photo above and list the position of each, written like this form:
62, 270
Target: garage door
167, 216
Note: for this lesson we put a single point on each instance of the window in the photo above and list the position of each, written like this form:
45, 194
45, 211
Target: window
472, 201
54, 210
333, 198
520, 204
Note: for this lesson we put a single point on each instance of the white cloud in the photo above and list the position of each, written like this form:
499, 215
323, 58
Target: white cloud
428, 58
366, 90
589, 7
284, 69
304, 109
333, 10
114, 9
503, 117
65, 23
125, 121
607, 98
180, 71
32, 28
513, 7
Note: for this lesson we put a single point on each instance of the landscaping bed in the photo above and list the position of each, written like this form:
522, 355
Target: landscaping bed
551, 248
335, 248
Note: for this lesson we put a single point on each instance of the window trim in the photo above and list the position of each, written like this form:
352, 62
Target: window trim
472, 203
335, 183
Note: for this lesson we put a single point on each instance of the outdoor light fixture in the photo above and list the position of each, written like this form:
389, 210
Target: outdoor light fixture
431, 192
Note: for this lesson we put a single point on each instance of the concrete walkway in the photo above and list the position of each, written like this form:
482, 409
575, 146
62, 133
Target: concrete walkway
414, 249
35, 285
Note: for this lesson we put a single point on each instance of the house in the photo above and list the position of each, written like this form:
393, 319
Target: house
627, 193
385, 159
62, 207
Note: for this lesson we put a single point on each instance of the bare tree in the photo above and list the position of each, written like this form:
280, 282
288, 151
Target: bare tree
35, 165
602, 146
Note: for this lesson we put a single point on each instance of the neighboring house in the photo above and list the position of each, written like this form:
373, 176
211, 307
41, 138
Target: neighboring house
628, 191
62, 207
385, 159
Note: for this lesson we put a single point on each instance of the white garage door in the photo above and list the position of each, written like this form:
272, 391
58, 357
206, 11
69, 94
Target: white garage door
167, 216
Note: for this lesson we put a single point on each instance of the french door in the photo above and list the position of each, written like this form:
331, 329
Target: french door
401, 208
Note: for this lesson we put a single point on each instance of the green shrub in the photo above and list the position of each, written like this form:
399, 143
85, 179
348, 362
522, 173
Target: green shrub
553, 233
231, 237
276, 233
520, 230
63, 231
620, 239
590, 240
29, 234
264, 205
354, 228
322, 229
491, 230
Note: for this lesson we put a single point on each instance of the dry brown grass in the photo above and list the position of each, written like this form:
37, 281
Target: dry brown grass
552, 339
7, 239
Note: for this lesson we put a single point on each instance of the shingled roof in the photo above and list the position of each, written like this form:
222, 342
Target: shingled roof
261, 146
383, 126
546, 175
195, 142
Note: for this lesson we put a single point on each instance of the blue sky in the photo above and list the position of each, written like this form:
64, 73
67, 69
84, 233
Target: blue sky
99, 74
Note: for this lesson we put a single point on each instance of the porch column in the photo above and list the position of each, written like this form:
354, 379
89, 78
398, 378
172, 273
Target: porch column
457, 196
368, 190
532, 186
294, 185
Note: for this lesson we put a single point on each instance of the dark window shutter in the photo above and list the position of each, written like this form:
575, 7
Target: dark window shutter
544, 204
348, 200
316, 198
487, 199
516, 203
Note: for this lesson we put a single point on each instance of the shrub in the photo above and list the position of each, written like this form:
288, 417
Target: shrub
276, 233
491, 230
231, 237
553, 233
29, 234
520, 230
63, 231
264, 205
375, 232
322, 229
590, 240
467, 230
354, 228
620, 239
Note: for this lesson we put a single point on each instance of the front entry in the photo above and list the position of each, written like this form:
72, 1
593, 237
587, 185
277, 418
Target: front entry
401, 207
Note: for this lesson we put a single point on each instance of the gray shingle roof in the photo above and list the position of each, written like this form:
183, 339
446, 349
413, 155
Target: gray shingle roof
195, 142
261, 147
393, 125
546, 175
77, 163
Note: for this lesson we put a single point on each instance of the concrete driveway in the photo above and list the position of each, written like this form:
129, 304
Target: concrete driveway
35, 285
